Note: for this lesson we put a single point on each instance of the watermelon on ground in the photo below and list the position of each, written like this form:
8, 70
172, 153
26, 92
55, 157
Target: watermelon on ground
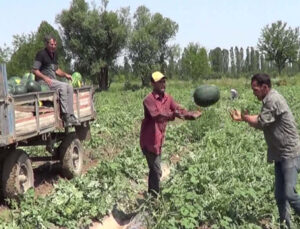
206, 95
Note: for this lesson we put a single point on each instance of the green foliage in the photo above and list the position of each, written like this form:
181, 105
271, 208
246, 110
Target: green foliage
194, 62
172, 70
280, 44
25, 48
5, 54
131, 86
94, 37
221, 181
148, 48
23, 55
216, 59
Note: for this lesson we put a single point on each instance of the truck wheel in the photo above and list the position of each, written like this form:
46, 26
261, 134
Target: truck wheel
17, 174
83, 131
71, 156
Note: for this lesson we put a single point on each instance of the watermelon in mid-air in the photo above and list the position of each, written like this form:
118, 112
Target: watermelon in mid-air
206, 95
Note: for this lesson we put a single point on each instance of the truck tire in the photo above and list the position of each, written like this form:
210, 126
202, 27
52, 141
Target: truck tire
83, 131
71, 156
17, 174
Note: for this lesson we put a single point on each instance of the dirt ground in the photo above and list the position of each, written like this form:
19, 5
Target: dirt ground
46, 174
113, 222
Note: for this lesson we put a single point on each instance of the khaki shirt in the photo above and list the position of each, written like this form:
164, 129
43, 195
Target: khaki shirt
279, 127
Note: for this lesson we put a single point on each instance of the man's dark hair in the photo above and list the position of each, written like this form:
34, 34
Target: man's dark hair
262, 78
49, 37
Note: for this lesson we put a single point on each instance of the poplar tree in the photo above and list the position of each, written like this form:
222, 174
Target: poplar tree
232, 62
280, 44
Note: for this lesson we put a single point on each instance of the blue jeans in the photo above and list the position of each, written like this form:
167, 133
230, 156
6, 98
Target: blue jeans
286, 172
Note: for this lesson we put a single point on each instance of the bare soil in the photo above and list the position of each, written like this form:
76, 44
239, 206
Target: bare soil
46, 174
113, 221
110, 222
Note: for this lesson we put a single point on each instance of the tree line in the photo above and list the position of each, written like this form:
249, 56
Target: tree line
92, 40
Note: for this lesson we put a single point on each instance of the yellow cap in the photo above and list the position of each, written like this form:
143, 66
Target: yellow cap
157, 76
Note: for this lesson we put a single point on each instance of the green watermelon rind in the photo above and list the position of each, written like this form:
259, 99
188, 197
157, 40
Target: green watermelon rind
33, 86
15, 80
20, 89
206, 95
76, 79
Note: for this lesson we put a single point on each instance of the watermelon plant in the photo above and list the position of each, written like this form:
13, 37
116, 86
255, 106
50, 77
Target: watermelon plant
221, 179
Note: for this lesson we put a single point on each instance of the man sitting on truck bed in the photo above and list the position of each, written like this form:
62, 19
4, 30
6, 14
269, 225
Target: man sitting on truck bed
46, 68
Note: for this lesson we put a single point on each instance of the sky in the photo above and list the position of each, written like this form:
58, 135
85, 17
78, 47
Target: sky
210, 23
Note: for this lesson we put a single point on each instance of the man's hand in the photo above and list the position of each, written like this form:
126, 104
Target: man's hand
196, 114
236, 115
192, 115
178, 114
68, 76
48, 81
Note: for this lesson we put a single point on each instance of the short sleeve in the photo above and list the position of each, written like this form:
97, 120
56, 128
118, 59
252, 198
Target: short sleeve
38, 61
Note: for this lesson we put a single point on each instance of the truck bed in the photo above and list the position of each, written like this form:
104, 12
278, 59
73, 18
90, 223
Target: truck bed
33, 114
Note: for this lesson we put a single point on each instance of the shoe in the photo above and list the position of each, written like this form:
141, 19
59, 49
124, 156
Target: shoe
73, 120
285, 224
64, 118
70, 120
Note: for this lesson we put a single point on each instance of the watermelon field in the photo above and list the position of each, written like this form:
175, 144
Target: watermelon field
219, 175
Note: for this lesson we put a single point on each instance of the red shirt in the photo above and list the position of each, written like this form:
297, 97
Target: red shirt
158, 111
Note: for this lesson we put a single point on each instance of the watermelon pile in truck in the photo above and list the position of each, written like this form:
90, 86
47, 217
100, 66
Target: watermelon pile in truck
32, 119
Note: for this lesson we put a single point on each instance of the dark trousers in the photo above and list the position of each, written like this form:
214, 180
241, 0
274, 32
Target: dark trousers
153, 161
286, 172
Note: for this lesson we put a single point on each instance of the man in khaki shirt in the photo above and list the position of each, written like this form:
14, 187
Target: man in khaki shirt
278, 124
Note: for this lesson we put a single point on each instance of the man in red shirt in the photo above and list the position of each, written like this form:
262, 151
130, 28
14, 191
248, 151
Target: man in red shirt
159, 108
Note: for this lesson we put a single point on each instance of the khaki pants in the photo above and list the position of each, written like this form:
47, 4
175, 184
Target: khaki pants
65, 92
